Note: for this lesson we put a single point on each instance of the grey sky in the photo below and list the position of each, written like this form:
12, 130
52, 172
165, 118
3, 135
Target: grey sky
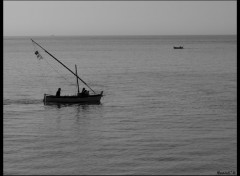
26, 18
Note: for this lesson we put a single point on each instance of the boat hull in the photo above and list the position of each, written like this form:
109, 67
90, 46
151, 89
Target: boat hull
177, 47
72, 99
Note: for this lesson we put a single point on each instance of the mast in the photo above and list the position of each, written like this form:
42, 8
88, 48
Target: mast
63, 65
77, 78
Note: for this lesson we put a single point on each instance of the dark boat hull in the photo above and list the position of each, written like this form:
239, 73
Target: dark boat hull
177, 47
72, 99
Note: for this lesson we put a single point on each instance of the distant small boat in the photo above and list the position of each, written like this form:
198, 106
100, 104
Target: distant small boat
178, 47
82, 97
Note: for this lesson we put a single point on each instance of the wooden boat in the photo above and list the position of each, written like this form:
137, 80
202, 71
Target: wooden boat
178, 47
82, 97
73, 99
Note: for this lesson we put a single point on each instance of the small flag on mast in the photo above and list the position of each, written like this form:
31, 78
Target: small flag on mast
38, 55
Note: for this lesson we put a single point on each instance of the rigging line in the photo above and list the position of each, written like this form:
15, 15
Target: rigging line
64, 65
57, 72
43, 77
39, 66
34, 45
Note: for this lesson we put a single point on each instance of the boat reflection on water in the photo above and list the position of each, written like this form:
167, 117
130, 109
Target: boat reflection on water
60, 105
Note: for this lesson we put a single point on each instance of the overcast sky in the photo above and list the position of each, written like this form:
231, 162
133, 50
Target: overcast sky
27, 18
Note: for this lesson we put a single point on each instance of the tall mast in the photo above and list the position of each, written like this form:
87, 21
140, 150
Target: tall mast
77, 78
63, 65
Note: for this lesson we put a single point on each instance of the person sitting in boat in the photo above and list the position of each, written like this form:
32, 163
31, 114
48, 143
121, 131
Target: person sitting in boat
84, 92
58, 92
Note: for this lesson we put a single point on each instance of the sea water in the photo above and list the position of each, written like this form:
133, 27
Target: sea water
164, 111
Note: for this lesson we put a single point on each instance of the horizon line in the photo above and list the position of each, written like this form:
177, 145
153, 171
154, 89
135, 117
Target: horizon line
53, 35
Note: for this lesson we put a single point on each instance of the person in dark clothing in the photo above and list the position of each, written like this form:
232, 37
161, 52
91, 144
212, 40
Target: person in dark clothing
58, 92
83, 90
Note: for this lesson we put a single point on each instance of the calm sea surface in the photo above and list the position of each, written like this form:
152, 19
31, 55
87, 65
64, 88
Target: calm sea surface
165, 111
